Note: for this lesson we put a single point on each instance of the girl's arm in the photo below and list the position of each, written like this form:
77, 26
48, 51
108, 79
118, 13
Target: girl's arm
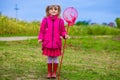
42, 30
63, 31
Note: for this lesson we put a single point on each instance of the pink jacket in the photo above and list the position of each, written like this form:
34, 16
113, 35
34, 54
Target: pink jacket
51, 29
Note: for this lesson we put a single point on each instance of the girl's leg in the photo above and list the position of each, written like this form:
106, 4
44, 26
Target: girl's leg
55, 66
55, 60
49, 65
49, 60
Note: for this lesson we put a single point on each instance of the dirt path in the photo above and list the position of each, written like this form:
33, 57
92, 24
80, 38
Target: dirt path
104, 36
32, 37
16, 38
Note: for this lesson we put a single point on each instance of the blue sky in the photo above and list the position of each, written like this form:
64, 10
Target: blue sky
95, 10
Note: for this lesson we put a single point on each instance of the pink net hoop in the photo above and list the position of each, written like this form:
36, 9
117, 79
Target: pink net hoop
70, 15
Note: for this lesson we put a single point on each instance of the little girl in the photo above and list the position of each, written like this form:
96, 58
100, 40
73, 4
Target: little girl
51, 30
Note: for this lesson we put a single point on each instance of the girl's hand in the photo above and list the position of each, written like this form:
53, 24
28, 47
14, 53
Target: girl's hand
40, 40
67, 36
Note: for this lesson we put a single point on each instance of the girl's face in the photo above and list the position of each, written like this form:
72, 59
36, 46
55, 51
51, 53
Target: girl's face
53, 10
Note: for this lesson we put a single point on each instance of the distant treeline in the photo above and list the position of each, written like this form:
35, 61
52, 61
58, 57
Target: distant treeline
110, 24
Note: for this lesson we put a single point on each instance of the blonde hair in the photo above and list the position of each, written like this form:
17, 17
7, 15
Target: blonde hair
48, 7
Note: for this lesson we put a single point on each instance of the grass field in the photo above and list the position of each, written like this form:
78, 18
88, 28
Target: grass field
88, 58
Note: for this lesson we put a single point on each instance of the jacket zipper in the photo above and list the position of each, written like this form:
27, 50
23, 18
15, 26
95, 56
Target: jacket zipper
52, 32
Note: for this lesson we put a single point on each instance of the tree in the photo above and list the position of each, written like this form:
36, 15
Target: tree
117, 20
0, 13
83, 22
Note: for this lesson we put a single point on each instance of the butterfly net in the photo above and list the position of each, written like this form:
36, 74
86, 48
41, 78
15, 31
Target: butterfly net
70, 15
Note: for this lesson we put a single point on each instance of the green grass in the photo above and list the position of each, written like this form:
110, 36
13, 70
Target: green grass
85, 59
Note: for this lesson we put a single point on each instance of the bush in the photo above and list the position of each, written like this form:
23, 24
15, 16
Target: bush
9, 26
93, 30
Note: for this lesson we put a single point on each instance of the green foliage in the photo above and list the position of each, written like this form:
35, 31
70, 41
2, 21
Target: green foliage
10, 26
118, 22
93, 30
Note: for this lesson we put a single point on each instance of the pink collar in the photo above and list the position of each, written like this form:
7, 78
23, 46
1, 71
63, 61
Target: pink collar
53, 17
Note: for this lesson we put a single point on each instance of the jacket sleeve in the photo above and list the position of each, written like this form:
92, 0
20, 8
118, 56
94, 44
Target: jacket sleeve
42, 30
63, 31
